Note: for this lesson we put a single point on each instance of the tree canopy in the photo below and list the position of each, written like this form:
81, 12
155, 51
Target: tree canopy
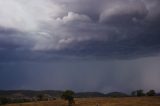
69, 96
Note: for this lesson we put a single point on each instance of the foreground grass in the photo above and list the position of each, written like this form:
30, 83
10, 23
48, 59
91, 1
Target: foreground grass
131, 101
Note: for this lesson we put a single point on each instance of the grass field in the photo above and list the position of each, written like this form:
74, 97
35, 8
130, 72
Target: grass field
131, 101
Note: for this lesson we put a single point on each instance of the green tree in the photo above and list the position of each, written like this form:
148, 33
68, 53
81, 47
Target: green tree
133, 93
140, 93
40, 97
4, 101
69, 96
151, 93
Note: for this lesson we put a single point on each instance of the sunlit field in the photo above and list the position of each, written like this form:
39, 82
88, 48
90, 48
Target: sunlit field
130, 101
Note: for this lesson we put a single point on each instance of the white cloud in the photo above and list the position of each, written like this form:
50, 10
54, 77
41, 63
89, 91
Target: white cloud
74, 17
27, 15
132, 9
45, 22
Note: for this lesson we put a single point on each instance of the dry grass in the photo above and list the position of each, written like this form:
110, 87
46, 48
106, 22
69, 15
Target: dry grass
131, 101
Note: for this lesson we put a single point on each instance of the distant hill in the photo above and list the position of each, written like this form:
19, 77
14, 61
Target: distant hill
56, 93
30, 93
89, 94
158, 94
116, 94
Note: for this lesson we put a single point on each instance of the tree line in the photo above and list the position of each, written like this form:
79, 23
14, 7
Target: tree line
140, 93
69, 96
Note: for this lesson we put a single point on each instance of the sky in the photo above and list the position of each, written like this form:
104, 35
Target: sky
83, 45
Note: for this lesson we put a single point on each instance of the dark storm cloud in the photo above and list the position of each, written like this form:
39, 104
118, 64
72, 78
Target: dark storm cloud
111, 29
129, 30
11, 39
146, 44
101, 44
5, 36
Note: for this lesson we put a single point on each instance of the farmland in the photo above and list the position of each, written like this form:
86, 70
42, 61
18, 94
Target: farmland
127, 101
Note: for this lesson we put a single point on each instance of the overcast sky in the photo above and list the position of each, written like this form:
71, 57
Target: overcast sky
83, 45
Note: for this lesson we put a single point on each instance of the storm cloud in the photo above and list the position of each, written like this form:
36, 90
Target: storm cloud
46, 34
107, 28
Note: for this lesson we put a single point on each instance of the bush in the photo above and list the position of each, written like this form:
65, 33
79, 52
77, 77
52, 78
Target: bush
4, 101
140, 93
151, 93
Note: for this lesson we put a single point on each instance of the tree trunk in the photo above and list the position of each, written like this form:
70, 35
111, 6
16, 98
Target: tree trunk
69, 103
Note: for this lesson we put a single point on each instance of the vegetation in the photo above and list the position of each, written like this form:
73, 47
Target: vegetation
9, 97
141, 93
151, 93
103, 101
40, 97
5, 100
68, 95
133, 93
